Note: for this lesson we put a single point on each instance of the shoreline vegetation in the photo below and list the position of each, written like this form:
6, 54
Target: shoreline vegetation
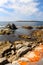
21, 52
28, 21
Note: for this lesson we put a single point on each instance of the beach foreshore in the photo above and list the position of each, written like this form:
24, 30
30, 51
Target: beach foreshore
28, 49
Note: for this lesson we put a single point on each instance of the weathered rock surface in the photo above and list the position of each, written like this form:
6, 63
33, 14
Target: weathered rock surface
12, 51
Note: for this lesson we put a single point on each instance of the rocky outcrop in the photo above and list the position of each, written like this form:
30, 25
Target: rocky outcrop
27, 27
12, 51
11, 26
6, 31
9, 29
39, 27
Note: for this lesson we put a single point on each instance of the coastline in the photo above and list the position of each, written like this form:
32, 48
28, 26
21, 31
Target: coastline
23, 47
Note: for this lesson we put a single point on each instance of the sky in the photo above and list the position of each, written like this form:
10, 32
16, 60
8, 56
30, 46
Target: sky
13, 10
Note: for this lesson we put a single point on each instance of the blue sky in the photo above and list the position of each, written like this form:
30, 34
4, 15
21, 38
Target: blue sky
11, 10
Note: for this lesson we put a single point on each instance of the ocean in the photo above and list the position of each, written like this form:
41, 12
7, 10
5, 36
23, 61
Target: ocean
19, 31
38, 23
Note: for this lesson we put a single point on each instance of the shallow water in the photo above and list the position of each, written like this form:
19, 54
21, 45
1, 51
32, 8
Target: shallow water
19, 31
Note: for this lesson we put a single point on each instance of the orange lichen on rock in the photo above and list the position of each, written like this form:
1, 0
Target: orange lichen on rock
39, 48
33, 56
23, 62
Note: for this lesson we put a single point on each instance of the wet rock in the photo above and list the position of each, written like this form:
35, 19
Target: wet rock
28, 44
17, 42
11, 26
39, 27
27, 27
25, 36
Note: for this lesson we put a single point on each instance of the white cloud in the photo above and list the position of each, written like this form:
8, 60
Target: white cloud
2, 2
28, 9
21, 8
26, 1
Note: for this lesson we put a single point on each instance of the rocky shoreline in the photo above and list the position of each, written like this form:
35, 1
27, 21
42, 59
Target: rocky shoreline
12, 51
8, 29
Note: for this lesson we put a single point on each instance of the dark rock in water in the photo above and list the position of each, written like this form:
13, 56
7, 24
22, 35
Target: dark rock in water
27, 27
13, 27
39, 27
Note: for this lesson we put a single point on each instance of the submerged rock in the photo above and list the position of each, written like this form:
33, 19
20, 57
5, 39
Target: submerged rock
39, 27
27, 27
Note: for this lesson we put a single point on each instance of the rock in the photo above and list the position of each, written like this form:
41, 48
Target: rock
11, 58
37, 33
25, 36
18, 46
11, 26
6, 31
28, 44
2, 59
4, 46
27, 27
2, 32
9, 64
22, 51
23, 59
15, 63
18, 42
39, 27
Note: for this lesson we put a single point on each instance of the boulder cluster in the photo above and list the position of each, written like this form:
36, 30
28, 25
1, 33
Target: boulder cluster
12, 51
8, 29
